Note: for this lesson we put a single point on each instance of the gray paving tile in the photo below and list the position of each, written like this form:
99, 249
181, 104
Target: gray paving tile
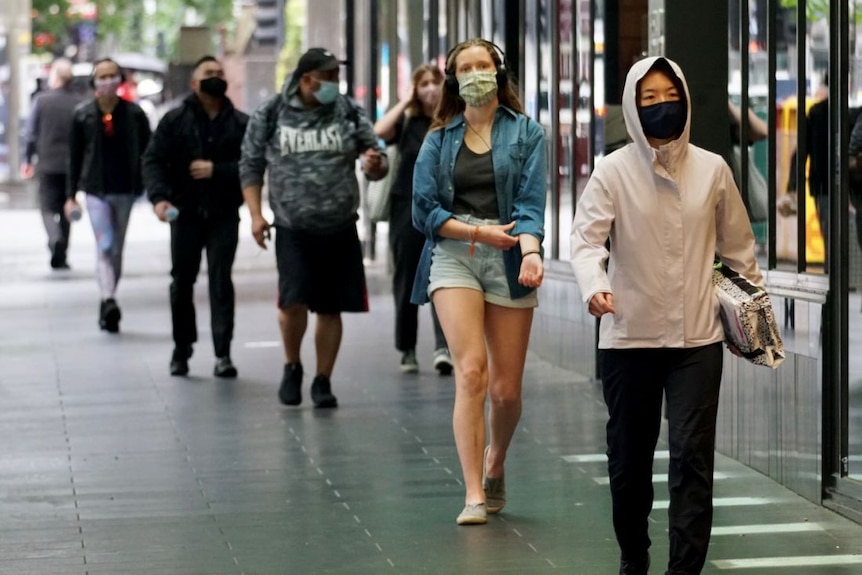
111, 466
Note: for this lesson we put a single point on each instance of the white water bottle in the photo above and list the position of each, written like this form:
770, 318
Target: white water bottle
172, 213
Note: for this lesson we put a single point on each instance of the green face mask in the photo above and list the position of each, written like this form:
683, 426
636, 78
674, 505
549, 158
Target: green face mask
477, 88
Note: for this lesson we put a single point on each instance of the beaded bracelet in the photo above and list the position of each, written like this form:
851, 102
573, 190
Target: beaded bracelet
474, 234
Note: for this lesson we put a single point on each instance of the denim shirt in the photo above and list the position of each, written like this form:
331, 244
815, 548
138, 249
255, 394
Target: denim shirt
518, 156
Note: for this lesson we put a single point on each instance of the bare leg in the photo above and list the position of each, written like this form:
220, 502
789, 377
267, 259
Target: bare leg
461, 312
293, 321
508, 333
327, 340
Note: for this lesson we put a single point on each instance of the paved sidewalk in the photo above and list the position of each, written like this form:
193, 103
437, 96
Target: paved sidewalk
111, 466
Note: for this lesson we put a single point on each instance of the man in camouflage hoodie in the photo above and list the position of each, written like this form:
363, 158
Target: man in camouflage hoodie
309, 138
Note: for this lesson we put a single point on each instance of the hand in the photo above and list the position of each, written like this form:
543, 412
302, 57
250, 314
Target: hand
532, 271
260, 230
602, 303
28, 171
733, 349
372, 164
161, 209
201, 169
786, 205
70, 205
495, 235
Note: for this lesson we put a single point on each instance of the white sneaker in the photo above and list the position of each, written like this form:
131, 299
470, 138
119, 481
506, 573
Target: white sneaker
443, 361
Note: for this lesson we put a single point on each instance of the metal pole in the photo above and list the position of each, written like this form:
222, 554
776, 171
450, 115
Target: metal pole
13, 122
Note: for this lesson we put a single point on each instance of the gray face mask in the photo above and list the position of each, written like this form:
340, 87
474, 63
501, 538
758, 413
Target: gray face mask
107, 86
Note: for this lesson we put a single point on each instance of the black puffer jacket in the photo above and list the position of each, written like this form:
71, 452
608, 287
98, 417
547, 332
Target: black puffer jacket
186, 134
86, 172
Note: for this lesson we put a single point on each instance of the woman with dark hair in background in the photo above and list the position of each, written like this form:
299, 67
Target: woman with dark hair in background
479, 198
406, 125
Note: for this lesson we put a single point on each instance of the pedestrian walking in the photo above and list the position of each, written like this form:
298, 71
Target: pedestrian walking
191, 172
309, 137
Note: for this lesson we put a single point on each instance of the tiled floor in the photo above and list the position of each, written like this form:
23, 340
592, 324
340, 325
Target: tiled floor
111, 466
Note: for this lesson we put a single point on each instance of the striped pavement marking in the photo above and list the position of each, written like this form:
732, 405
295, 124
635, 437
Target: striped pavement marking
767, 528
662, 478
725, 502
786, 562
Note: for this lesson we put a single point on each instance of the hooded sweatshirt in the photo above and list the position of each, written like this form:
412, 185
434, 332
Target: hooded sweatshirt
667, 213
311, 157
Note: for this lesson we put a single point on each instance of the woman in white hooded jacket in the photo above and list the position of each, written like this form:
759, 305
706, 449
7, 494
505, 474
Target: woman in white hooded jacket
667, 208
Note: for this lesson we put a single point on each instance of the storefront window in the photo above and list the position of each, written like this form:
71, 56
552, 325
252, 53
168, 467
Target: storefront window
854, 239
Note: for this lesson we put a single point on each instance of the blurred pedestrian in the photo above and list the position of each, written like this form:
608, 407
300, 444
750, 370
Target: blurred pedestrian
406, 125
109, 135
309, 137
479, 198
48, 129
191, 166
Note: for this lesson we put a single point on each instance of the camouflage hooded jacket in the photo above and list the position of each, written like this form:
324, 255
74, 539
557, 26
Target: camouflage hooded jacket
311, 158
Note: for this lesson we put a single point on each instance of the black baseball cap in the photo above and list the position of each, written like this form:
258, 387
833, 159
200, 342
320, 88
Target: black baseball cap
317, 59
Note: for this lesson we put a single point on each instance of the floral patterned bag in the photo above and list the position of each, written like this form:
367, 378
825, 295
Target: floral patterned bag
747, 316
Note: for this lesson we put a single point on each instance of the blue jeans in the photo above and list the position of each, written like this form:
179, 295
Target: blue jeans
109, 216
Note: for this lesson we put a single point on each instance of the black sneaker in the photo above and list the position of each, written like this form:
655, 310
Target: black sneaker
443, 361
224, 367
638, 567
180, 359
321, 392
408, 362
290, 392
109, 316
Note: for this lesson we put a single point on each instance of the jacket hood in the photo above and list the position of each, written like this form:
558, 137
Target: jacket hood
630, 109
290, 86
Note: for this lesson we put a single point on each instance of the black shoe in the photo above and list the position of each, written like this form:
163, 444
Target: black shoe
224, 367
321, 392
639, 567
180, 359
58, 257
290, 392
109, 316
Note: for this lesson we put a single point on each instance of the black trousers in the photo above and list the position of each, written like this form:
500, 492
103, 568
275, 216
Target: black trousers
634, 381
406, 244
190, 234
52, 197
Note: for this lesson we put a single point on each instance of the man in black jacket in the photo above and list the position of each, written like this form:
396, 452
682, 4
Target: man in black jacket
108, 137
48, 128
192, 178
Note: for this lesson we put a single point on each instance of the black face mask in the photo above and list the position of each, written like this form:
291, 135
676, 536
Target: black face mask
664, 120
214, 86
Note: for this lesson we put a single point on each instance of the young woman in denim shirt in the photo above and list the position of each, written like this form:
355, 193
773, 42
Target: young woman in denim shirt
479, 198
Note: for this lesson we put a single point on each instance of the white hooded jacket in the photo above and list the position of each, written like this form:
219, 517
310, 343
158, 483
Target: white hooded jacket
667, 212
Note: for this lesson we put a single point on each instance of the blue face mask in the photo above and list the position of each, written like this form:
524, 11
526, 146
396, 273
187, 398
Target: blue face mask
664, 120
327, 93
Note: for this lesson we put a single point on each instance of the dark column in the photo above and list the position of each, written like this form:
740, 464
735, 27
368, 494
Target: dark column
695, 37
512, 35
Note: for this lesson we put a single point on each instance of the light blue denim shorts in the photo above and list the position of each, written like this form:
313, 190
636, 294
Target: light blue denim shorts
453, 267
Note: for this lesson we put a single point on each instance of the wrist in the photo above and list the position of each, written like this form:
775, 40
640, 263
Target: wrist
532, 253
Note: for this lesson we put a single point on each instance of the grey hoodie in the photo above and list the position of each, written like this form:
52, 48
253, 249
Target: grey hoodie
311, 155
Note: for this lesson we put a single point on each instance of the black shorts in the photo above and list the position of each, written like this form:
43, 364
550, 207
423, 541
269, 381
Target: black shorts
323, 272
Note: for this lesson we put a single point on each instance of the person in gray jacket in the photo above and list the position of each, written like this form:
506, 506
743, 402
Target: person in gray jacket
48, 129
309, 137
